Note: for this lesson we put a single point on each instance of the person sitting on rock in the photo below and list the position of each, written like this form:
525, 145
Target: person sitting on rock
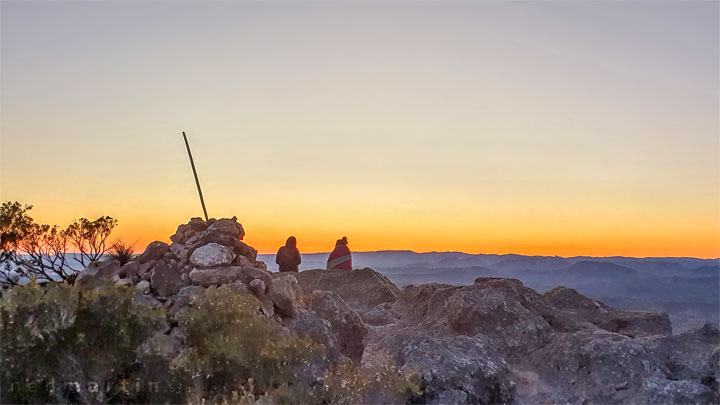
288, 256
340, 258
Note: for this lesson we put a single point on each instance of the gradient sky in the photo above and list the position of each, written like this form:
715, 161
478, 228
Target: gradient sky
569, 128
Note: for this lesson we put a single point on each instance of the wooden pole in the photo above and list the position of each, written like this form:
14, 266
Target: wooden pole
197, 182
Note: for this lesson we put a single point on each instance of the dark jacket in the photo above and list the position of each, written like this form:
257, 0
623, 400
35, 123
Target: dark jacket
288, 256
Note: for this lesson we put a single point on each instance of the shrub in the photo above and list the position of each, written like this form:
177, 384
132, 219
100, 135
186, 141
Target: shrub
232, 347
122, 252
61, 344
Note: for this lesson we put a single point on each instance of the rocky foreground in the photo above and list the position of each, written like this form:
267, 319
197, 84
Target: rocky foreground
495, 341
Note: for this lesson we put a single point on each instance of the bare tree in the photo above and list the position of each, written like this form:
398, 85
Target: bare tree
44, 252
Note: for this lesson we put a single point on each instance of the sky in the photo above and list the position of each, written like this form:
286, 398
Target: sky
549, 128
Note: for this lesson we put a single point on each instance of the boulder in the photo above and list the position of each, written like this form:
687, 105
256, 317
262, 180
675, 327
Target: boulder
382, 314
239, 288
346, 324
243, 249
154, 251
211, 255
98, 273
165, 280
453, 369
226, 275
308, 324
258, 287
361, 289
215, 276
284, 292
501, 309
228, 226
628, 323
636, 323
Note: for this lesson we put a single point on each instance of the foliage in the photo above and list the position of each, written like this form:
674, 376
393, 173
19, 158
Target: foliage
352, 384
55, 334
59, 342
32, 250
237, 345
122, 252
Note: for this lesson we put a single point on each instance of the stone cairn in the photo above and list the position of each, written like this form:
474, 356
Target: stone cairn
202, 254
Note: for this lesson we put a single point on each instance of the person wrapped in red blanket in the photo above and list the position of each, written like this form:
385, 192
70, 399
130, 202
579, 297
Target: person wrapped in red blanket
340, 258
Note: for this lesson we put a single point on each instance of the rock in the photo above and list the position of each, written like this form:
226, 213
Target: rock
211, 255
98, 273
145, 270
180, 251
154, 251
130, 270
243, 249
197, 224
239, 288
243, 261
308, 324
183, 299
258, 287
143, 286
664, 391
165, 280
226, 226
637, 324
215, 276
284, 292
453, 369
380, 315
628, 323
214, 237
361, 289
502, 309
346, 324
226, 275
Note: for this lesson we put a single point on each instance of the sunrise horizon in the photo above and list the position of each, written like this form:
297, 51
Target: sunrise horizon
472, 127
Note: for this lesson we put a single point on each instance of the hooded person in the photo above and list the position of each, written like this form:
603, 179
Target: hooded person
340, 258
288, 256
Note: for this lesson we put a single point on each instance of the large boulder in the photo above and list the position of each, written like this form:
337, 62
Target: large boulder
98, 273
211, 255
501, 309
346, 324
628, 323
361, 289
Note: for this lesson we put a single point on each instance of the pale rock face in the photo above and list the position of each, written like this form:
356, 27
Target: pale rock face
98, 273
211, 255
284, 292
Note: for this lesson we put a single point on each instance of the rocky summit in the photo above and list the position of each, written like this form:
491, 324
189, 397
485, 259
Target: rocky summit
494, 341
